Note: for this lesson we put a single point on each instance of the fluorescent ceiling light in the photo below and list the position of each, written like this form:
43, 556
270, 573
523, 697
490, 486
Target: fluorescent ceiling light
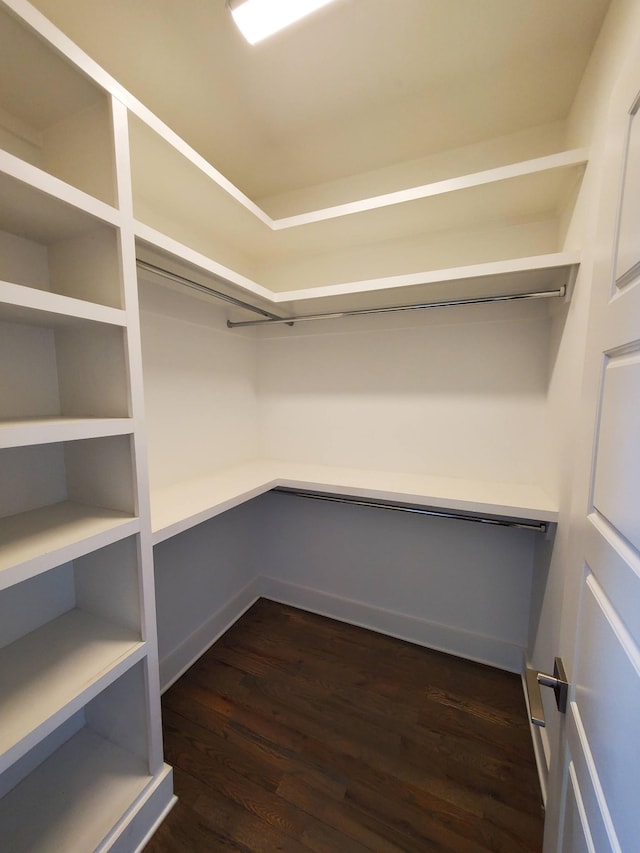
257, 19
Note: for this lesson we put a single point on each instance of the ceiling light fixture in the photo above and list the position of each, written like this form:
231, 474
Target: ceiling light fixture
257, 19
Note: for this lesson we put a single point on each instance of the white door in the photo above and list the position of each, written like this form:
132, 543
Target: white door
594, 794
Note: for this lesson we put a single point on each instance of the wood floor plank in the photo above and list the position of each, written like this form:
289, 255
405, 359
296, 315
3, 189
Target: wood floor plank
296, 733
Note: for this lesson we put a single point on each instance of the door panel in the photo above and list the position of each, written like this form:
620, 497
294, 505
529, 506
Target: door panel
597, 783
596, 818
576, 832
628, 258
607, 694
616, 566
617, 474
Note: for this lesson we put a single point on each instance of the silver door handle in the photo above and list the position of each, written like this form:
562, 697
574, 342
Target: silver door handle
557, 681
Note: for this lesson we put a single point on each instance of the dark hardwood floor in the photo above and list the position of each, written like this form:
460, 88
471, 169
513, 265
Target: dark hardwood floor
298, 733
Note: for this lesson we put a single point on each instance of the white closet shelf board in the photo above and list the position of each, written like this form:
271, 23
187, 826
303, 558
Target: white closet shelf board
178, 507
517, 275
51, 673
187, 198
35, 541
561, 160
36, 205
45, 430
154, 151
538, 272
82, 791
515, 197
20, 304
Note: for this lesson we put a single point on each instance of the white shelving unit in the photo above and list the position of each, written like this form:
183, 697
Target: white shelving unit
80, 750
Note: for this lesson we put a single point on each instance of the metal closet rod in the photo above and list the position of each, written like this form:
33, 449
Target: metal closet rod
422, 306
274, 319
203, 288
538, 526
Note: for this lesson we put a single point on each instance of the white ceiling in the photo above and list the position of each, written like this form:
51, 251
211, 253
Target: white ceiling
358, 86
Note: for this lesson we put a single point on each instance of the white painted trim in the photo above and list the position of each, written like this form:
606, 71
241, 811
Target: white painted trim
187, 653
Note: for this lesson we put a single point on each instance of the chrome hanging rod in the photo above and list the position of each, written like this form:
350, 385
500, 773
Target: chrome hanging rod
538, 526
209, 291
423, 306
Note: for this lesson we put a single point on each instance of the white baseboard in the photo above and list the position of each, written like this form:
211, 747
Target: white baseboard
187, 653
444, 638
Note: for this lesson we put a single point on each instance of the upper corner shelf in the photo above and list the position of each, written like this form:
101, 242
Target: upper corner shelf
500, 214
53, 116
573, 160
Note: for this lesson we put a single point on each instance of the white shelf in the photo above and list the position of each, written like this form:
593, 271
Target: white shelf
561, 160
35, 541
399, 231
74, 798
21, 304
537, 272
154, 149
20, 432
176, 508
514, 275
45, 208
48, 675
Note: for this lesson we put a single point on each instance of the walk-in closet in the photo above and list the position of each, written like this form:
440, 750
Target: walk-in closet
378, 365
